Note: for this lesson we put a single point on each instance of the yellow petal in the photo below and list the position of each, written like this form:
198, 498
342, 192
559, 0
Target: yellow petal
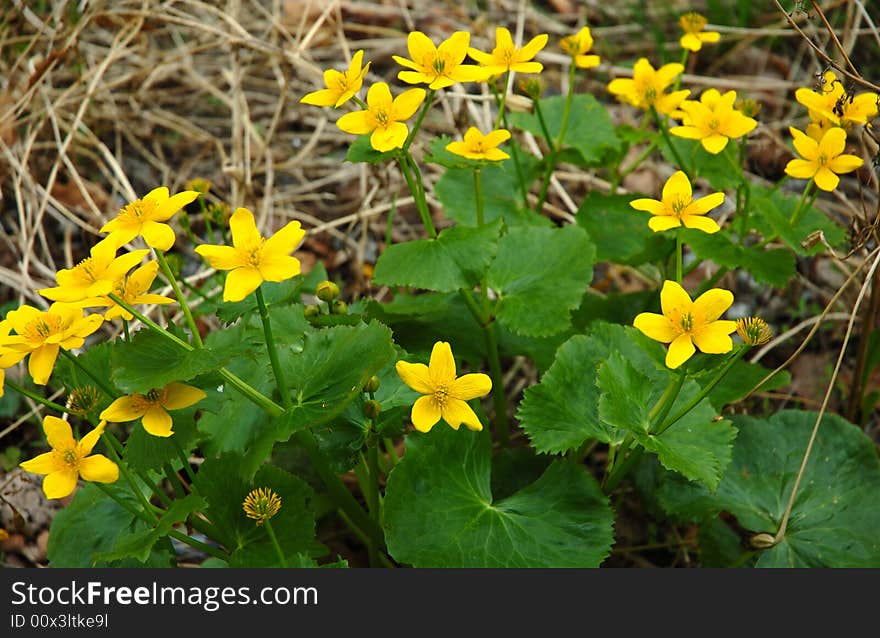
356, 123
44, 463
157, 235
240, 283
677, 187
420, 46
496, 137
157, 422
705, 204
416, 376
663, 222
379, 96
21, 317
322, 97
389, 139
806, 146
586, 61
739, 125
710, 37
833, 142
58, 433
98, 469
442, 364
800, 169
455, 412
455, 47
656, 327
409, 64
279, 268
714, 338
41, 362
180, 395
714, 143
482, 57
495, 155
690, 42
158, 194
471, 386
674, 299
60, 484
123, 409
687, 132
711, 305
825, 179
88, 442
169, 207
845, 163
700, 222
425, 413
285, 240
244, 229
533, 46
680, 350
650, 206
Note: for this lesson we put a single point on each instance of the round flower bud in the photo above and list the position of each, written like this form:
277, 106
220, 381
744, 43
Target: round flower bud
372, 385
372, 409
311, 311
339, 307
327, 291
762, 541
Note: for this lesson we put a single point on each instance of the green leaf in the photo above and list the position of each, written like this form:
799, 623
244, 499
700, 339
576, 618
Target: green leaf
721, 170
772, 211
153, 361
440, 511
220, 483
614, 307
774, 266
836, 513
92, 525
625, 395
502, 196
457, 258
562, 411
590, 130
621, 233
361, 150
144, 451
540, 275
140, 544
96, 359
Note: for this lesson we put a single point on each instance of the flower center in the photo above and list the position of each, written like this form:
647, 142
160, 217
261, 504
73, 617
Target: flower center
139, 211
822, 159
650, 94
507, 55
439, 65
713, 124
86, 269
69, 457
42, 327
441, 394
252, 252
686, 322
679, 204
342, 83
692, 22
382, 118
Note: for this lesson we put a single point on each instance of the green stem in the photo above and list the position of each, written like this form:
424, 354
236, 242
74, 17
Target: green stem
174, 480
105, 388
273, 351
268, 526
166, 270
36, 397
665, 133
478, 192
679, 249
359, 102
126, 330
181, 454
503, 102
801, 208
418, 124
684, 61
421, 203
261, 400
555, 145
390, 450
513, 150
111, 450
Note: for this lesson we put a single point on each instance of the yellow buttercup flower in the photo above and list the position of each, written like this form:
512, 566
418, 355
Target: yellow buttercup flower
577, 46
384, 117
678, 208
822, 161
133, 290
831, 104
685, 323
145, 217
439, 66
341, 85
251, 259
713, 120
445, 395
477, 146
152, 407
94, 275
261, 504
41, 334
693, 24
647, 88
506, 57
69, 460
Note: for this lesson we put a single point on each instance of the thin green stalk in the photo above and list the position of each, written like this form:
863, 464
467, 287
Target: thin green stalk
478, 192
801, 208
126, 331
513, 149
181, 300
390, 450
174, 480
101, 383
359, 102
268, 525
123, 469
412, 136
181, 454
421, 204
273, 351
502, 104
258, 398
684, 61
555, 145
36, 397
679, 258
665, 133
703, 392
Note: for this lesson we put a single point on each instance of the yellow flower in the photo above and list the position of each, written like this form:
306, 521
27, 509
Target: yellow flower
692, 24
577, 46
70, 459
252, 259
506, 57
152, 407
754, 331
41, 333
145, 217
647, 87
477, 146
685, 323
678, 208
133, 290
383, 117
823, 160
94, 275
261, 504
441, 66
713, 120
341, 85
445, 395
832, 104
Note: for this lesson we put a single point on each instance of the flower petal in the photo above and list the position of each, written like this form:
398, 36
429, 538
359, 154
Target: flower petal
656, 327
220, 257
455, 47
60, 484
806, 146
322, 97
169, 207
279, 268
455, 412
244, 229
663, 222
157, 421
700, 222
41, 362
123, 409
800, 169
98, 469
714, 338
420, 46
356, 123
416, 376
471, 386
680, 350
442, 364
707, 203
157, 235
845, 163
88, 442
677, 187
650, 206
44, 463
425, 413
390, 138
533, 46
709, 306
285, 240
58, 433
240, 283
833, 142
674, 299
407, 103
714, 143
825, 179
181, 395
